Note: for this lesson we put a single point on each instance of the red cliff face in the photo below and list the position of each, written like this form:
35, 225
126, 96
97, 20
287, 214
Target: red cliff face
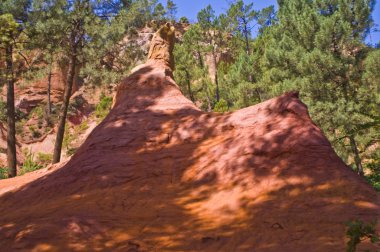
158, 174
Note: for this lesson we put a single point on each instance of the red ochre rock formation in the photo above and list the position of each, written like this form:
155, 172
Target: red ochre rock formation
158, 174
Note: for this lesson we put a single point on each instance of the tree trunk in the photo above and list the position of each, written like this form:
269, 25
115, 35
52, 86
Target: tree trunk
247, 48
246, 33
216, 76
189, 86
66, 101
49, 91
11, 138
358, 161
49, 88
217, 87
209, 107
200, 59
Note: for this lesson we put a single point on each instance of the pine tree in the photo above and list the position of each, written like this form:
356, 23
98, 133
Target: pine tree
76, 30
242, 17
171, 10
212, 31
45, 29
87, 33
13, 16
8, 32
190, 72
159, 12
318, 47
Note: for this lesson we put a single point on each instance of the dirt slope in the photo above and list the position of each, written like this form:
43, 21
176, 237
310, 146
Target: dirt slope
158, 174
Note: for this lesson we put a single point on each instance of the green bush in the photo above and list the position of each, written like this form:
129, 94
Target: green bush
103, 108
35, 133
184, 20
71, 136
19, 115
374, 175
3, 172
221, 106
67, 137
3, 111
357, 231
39, 112
20, 127
44, 158
29, 164
71, 151
82, 127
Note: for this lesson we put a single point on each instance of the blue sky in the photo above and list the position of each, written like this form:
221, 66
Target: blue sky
190, 8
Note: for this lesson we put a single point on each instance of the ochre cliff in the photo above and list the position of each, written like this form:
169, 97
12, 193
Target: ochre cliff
158, 174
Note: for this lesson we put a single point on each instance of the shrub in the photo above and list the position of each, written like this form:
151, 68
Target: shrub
29, 164
19, 115
39, 112
67, 137
82, 127
35, 133
184, 20
374, 175
77, 102
44, 158
20, 127
103, 108
221, 106
71, 151
3, 172
357, 231
71, 136
3, 111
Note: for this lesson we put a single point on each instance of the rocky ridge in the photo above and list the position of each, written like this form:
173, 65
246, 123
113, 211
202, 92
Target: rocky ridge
158, 174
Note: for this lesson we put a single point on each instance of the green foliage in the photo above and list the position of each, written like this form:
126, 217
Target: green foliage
240, 87
191, 72
29, 164
234, 80
39, 112
159, 12
317, 47
103, 107
171, 10
8, 29
20, 127
3, 172
44, 158
357, 231
3, 111
71, 151
71, 135
184, 20
221, 106
83, 126
34, 131
75, 104
68, 137
373, 175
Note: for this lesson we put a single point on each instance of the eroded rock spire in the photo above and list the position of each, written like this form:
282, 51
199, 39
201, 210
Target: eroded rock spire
162, 45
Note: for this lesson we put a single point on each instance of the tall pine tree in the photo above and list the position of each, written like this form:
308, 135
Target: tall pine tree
318, 47
14, 15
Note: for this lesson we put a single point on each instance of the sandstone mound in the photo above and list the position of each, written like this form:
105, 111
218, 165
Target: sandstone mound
158, 174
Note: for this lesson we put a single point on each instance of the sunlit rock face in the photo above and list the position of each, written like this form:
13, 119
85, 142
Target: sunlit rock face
158, 174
